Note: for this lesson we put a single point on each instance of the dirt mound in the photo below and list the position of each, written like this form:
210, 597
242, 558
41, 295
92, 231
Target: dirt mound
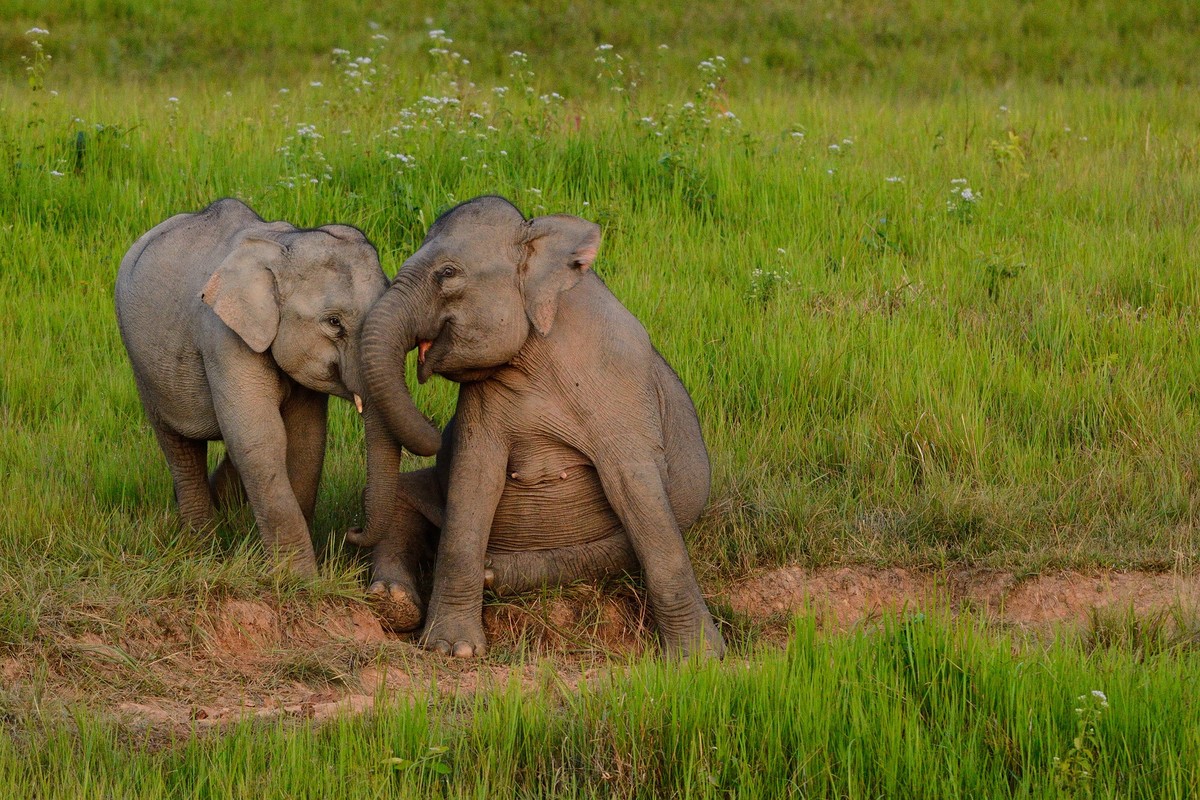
241, 658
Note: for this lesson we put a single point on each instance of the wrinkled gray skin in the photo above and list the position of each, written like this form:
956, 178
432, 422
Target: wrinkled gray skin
239, 329
574, 451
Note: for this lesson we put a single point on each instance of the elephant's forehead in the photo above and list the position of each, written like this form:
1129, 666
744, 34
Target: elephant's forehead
335, 284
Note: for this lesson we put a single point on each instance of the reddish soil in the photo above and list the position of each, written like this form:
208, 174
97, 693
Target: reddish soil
240, 658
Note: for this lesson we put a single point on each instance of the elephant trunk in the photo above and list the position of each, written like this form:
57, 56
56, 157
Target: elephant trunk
389, 332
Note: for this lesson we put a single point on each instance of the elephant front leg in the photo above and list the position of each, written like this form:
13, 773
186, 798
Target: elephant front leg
454, 623
256, 439
305, 419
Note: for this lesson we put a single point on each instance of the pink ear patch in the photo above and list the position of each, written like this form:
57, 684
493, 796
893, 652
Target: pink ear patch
585, 256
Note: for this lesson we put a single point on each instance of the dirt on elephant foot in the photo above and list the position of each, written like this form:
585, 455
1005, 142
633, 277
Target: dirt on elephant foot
237, 658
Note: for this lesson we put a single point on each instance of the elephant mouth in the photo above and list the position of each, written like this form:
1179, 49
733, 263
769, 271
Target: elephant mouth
431, 352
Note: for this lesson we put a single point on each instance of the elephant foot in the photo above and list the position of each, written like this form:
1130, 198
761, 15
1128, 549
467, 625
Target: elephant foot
706, 642
398, 606
298, 563
454, 638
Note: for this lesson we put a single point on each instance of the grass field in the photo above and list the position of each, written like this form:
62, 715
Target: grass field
928, 272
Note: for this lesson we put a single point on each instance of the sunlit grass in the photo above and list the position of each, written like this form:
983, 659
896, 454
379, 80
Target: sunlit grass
951, 328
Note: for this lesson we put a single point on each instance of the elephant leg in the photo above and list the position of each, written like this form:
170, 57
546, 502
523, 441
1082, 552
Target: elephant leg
511, 573
188, 461
225, 484
396, 558
305, 418
256, 438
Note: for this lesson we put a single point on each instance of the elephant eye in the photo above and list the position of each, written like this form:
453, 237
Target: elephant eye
447, 271
334, 321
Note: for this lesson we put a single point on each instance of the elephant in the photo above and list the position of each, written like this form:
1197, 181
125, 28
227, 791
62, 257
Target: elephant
574, 450
238, 330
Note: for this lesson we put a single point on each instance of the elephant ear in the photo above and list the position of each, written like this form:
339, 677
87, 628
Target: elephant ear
558, 249
243, 294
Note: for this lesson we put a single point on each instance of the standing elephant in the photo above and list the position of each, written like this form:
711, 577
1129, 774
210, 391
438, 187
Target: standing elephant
574, 450
239, 329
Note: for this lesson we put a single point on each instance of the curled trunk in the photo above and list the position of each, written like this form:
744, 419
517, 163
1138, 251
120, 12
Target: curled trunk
389, 333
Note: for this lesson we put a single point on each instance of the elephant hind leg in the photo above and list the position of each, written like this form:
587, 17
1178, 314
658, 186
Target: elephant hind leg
226, 485
511, 573
188, 461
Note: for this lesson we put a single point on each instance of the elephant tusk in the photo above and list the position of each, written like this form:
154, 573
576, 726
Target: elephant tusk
358, 403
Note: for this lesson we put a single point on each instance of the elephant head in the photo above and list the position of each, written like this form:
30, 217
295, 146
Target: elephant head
303, 295
484, 280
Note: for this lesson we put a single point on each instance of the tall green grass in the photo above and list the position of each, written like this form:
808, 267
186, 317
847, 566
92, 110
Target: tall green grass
954, 324
913, 707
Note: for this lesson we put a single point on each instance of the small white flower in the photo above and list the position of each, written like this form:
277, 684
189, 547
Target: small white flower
284, 90
172, 99
1004, 109
315, 84
503, 152
380, 37
968, 195
797, 134
605, 47
895, 179
337, 51
663, 47
56, 173
1101, 696
781, 251
958, 180
835, 147
37, 32
436, 32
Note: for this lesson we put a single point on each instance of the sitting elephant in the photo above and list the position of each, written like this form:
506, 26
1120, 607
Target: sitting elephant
574, 450
239, 329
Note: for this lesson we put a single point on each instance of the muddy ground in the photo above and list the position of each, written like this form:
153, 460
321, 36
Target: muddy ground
239, 658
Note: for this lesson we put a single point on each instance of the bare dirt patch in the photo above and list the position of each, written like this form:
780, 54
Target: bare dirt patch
238, 659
